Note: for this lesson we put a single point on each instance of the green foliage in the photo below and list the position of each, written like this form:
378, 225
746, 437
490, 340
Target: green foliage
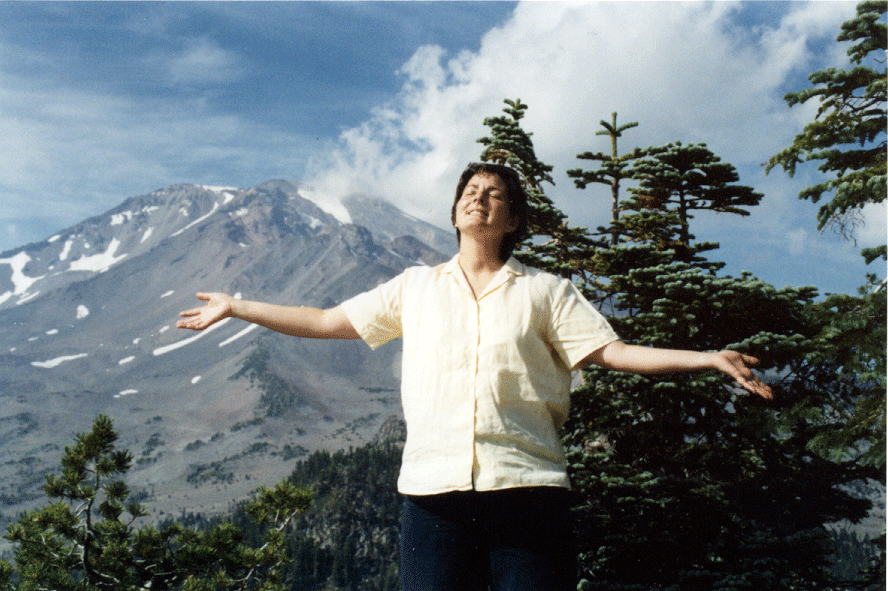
847, 135
685, 178
613, 169
278, 395
350, 538
850, 552
552, 243
684, 482
652, 227
849, 357
86, 540
732, 496
6, 574
848, 138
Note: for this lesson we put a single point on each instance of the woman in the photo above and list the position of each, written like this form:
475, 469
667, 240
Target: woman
489, 347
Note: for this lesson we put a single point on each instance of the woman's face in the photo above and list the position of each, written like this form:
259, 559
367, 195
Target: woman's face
483, 208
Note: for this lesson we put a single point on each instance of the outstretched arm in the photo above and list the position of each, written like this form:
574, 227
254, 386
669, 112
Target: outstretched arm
292, 320
648, 360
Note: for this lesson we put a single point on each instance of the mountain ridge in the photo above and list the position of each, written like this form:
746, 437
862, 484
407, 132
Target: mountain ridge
209, 416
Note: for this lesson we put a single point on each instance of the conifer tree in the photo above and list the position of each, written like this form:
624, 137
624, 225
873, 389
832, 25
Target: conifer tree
615, 261
676, 472
848, 138
86, 540
552, 243
684, 483
847, 135
682, 179
848, 368
613, 170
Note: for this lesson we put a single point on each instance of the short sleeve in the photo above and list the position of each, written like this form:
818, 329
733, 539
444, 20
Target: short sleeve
376, 314
577, 329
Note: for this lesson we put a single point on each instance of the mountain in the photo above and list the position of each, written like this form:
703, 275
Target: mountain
88, 327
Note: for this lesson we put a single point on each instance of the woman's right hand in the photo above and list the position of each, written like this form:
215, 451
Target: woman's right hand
218, 306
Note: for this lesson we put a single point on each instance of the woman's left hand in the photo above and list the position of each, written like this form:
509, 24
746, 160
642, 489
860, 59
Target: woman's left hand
737, 366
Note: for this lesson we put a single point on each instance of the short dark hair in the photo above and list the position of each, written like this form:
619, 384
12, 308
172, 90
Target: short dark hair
516, 198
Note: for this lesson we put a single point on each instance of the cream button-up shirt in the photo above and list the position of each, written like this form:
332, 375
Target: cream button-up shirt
485, 383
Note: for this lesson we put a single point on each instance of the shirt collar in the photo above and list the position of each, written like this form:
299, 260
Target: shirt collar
512, 266
452, 265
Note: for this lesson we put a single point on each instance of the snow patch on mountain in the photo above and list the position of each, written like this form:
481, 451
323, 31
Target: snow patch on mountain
227, 193
66, 249
20, 282
28, 297
179, 344
244, 332
313, 222
118, 219
57, 361
197, 221
98, 262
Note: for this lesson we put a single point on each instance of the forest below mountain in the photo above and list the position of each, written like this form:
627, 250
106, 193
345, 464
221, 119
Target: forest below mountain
346, 538
348, 541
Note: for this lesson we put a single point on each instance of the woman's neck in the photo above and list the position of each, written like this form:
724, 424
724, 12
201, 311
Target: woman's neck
479, 265
481, 257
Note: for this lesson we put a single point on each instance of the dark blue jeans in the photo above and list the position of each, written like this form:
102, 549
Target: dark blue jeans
519, 539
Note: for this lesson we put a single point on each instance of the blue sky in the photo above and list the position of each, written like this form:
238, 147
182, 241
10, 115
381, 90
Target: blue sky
100, 101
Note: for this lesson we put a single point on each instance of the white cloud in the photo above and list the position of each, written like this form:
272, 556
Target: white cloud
203, 62
79, 151
873, 231
798, 241
686, 71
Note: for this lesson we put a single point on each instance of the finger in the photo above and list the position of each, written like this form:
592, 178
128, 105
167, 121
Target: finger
756, 386
749, 359
189, 324
750, 381
191, 312
765, 392
745, 377
201, 295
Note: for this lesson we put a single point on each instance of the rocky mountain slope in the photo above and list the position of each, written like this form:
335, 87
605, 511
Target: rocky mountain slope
88, 327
